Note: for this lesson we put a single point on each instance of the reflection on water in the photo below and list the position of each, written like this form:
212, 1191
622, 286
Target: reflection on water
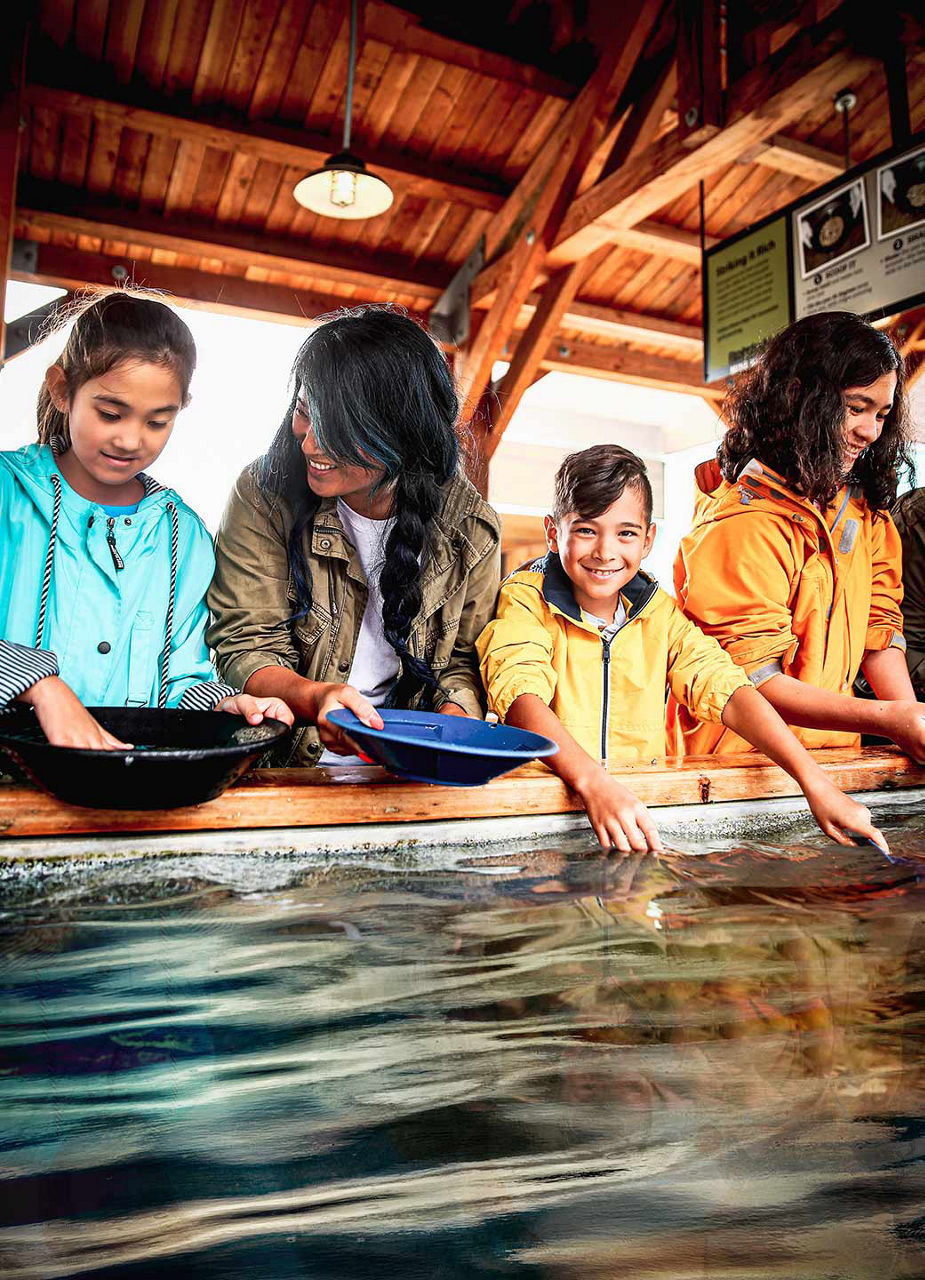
681, 1068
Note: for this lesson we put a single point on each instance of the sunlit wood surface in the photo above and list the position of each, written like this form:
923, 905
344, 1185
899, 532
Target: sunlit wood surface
355, 796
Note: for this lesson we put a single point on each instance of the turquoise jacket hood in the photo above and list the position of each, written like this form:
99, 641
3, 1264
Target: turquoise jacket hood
118, 600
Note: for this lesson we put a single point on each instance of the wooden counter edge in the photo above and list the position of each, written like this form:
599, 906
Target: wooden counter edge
347, 796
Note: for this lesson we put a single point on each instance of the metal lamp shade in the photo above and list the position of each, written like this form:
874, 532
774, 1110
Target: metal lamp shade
344, 188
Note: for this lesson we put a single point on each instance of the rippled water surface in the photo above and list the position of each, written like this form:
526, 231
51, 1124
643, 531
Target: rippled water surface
543, 1065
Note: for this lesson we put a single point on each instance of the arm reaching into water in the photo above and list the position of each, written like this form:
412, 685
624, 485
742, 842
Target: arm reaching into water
753, 718
810, 708
619, 819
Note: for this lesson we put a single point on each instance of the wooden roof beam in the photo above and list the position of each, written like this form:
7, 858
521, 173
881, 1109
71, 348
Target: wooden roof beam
44, 205
622, 364
402, 30
764, 102
800, 159
67, 268
275, 143
534, 212
620, 325
657, 239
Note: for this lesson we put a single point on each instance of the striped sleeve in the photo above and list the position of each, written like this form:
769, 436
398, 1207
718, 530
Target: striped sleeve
205, 696
22, 667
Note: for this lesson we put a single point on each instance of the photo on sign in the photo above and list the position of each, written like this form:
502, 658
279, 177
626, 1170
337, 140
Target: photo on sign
901, 195
833, 229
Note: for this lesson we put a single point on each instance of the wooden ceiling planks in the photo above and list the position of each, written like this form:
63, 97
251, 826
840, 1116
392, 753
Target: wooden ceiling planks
156, 45
221, 67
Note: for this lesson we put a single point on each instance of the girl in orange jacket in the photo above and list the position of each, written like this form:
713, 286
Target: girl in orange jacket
793, 562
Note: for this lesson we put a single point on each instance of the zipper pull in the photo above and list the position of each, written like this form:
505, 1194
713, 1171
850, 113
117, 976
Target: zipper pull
117, 560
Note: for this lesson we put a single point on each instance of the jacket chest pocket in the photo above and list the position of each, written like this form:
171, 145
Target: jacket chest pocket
815, 587
308, 630
143, 660
435, 635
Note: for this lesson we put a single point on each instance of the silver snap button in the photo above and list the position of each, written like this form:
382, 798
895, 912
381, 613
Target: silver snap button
325, 544
127, 520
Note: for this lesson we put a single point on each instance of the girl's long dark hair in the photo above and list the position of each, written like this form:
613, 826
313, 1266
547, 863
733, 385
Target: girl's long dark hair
379, 393
107, 329
788, 410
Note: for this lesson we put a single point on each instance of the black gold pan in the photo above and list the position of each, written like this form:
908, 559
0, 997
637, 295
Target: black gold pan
178, 757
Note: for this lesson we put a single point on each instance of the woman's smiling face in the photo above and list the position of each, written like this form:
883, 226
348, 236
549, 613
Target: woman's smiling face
330, 479
866, 410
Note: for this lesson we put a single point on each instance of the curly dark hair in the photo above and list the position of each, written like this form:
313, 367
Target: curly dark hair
379, 390
788, 410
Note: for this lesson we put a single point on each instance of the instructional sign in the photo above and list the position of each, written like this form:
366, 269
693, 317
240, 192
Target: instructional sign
857, 244
747, 294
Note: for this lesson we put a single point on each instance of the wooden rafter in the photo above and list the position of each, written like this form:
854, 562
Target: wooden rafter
619, 325
801, 159
640, 127
656, 239
403, 31
620, 364
285, 146
73, 269
762, 104
49, 208
541, 201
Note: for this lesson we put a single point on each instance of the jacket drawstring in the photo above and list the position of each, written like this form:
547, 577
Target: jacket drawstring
49, 561
174, 556
168, 623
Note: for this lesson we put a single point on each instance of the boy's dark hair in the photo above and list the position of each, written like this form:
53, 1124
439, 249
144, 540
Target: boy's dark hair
589, 481
788, 409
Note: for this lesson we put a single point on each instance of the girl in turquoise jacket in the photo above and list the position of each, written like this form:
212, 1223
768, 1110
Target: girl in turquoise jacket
103, 571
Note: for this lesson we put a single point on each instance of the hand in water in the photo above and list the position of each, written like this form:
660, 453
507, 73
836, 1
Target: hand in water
841, 818
619, 819
64, 719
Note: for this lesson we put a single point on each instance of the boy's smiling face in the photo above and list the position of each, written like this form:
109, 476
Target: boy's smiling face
601, 555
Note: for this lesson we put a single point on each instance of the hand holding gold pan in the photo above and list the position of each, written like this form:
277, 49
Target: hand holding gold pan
179, 757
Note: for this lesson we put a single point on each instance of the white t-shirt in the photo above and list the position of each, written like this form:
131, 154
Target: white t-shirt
375, 663
608, 629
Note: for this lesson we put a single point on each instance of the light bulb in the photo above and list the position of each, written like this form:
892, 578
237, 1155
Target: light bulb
343, 187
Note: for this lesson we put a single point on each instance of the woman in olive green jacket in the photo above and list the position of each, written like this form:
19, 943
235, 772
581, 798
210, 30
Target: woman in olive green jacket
355, 566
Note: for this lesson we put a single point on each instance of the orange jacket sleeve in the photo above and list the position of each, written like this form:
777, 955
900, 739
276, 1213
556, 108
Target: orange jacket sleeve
885, 625
700, 675
734, 579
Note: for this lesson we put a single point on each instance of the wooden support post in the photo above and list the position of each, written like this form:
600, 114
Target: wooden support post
641, 125
700, 88
555, 300
10, 133
534, 212
897, 87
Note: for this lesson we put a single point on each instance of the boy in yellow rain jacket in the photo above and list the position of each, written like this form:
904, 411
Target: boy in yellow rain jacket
583, 645
794, 564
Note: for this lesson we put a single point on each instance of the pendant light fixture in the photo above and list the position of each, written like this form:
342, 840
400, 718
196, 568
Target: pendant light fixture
344, 187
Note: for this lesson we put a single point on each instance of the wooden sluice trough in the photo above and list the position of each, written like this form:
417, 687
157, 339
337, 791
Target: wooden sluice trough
350, 802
